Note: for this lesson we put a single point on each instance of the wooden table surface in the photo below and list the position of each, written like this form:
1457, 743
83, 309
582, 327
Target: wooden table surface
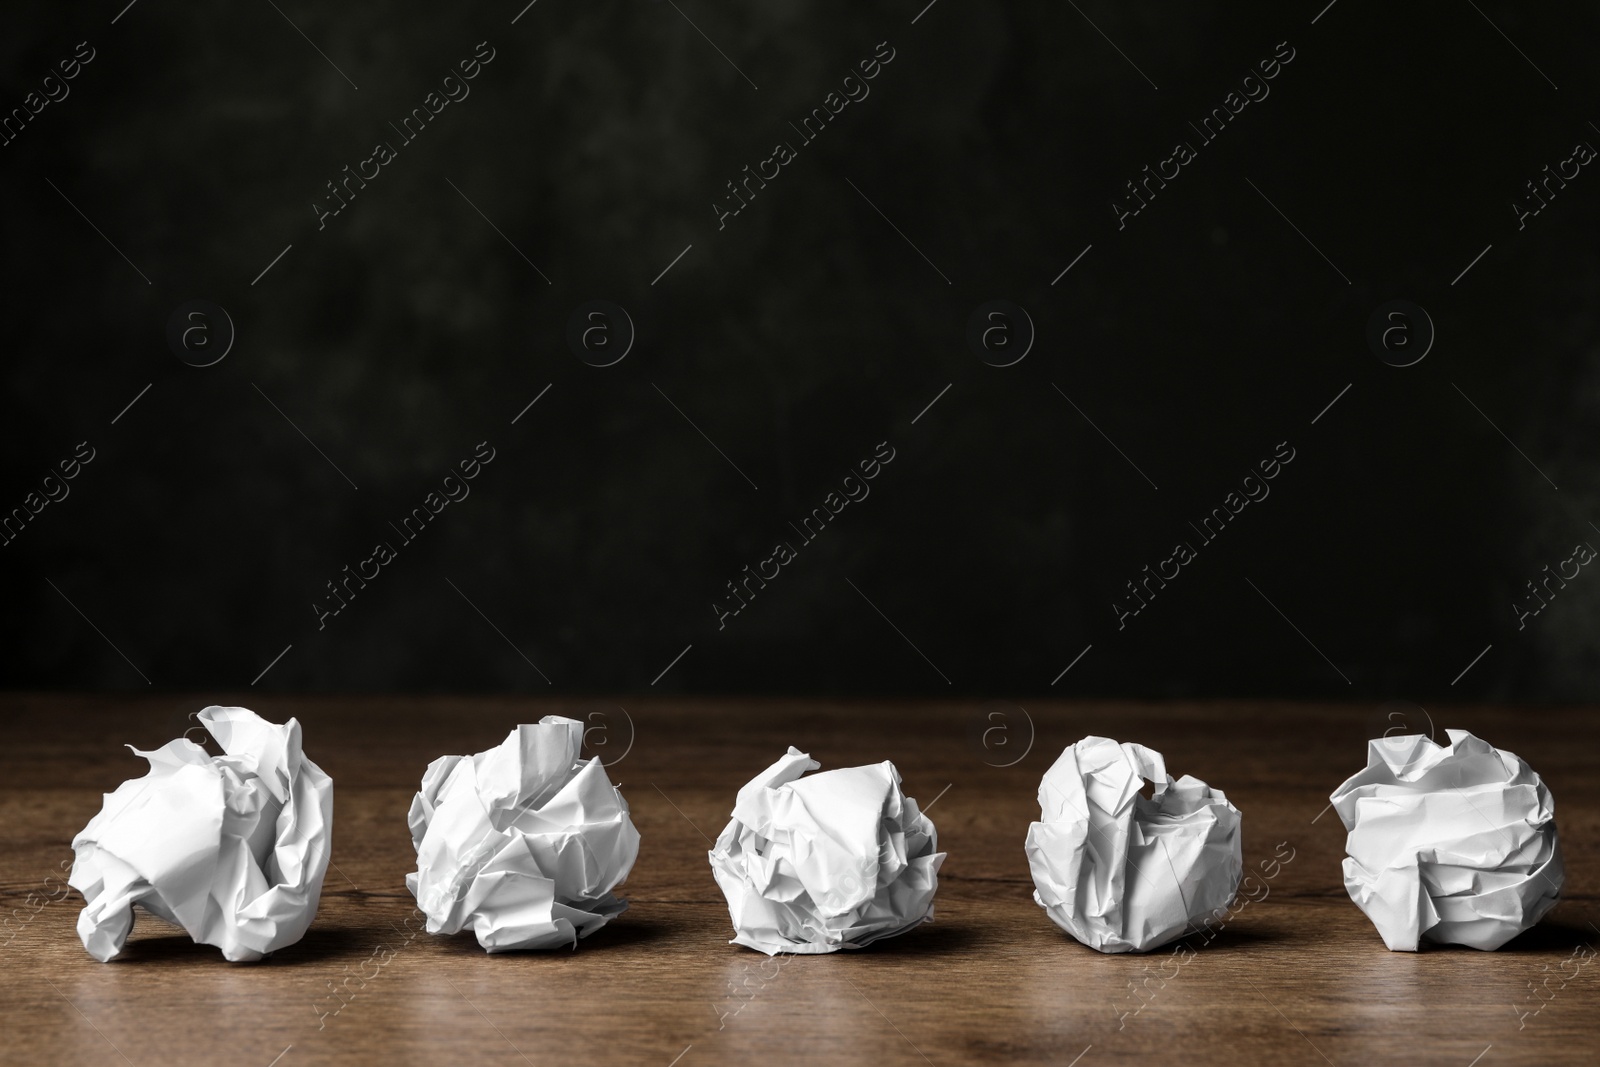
1298, 977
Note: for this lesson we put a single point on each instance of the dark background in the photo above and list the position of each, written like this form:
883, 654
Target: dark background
190, 551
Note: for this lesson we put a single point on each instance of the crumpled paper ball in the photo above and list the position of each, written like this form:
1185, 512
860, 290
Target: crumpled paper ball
232, 848
1454, 844
837, 860
1123, 873
523, 842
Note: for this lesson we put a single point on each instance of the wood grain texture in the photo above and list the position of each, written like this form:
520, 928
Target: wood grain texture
1299, 977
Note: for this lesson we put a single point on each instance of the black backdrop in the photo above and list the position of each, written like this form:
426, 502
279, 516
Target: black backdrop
1186, 344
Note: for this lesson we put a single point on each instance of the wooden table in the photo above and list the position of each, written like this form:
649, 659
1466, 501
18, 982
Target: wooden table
1299, 977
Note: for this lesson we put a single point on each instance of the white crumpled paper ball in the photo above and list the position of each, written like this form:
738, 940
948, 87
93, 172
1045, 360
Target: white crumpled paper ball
523, 842
1122, 873
1454, 844
232, 848
836, 860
